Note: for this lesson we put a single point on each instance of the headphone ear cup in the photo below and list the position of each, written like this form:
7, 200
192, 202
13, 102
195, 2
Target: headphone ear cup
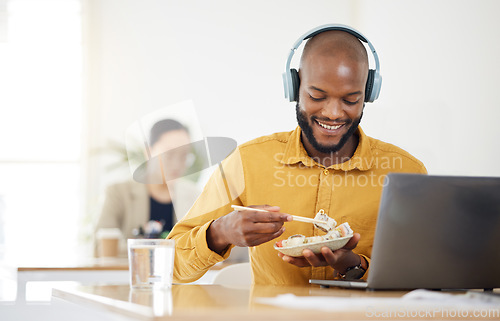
295, 84
369, 86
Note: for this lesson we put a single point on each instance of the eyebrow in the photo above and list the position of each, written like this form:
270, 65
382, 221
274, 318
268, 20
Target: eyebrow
349, 94
316, 88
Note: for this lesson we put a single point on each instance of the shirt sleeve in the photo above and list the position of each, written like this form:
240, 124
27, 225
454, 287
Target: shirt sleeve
193, 257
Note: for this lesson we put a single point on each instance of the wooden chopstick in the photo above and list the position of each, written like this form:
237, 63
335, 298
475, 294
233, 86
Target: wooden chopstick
307, 219
295, 217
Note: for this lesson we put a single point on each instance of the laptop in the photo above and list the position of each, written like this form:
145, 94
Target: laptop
435, 232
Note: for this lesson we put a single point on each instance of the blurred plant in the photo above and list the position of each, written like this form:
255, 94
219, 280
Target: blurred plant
120, 153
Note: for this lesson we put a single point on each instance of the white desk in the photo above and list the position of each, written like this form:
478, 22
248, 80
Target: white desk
86, 272
219, 303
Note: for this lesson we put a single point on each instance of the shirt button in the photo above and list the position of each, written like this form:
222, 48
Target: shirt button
325, 172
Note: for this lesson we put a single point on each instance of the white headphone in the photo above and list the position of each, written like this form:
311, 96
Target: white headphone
291, 80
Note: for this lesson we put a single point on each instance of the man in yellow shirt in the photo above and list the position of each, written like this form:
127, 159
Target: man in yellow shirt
326, 163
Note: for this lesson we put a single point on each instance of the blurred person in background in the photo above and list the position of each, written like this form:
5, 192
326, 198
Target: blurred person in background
147, 210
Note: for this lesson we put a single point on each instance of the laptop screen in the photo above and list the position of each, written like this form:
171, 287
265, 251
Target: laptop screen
437, 232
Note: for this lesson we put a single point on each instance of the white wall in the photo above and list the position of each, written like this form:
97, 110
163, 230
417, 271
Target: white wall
439, 98
439, 65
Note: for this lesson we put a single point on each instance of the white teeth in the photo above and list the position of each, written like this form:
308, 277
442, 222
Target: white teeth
329, 127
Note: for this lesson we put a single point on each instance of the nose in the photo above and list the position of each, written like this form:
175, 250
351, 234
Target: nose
333, 110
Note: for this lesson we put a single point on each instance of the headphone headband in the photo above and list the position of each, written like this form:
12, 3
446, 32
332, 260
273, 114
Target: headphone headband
290, 76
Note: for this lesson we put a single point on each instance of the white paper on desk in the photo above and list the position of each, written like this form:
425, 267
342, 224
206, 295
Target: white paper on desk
417, 299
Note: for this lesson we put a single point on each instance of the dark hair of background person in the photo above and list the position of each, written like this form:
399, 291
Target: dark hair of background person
163, 126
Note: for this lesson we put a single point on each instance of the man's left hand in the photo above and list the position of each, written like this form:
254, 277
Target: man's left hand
340, 259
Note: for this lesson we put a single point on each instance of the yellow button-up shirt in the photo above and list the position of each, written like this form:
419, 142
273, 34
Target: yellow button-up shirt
276, 170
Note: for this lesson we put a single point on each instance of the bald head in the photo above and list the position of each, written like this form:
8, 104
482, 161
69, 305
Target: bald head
334, 61
335, 43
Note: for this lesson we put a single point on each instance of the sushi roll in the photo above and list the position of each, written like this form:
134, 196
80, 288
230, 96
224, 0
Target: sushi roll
332, 234
329, 224
294, 240
344, 229
314, 239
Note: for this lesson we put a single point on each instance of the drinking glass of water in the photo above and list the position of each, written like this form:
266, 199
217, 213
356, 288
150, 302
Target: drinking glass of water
151, 263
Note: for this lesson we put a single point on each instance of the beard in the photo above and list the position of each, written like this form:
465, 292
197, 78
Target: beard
308, 131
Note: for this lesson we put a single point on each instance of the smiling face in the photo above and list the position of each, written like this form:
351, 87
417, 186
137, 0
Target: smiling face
333, 73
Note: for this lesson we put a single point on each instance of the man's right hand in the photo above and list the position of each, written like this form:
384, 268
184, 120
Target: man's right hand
246, 228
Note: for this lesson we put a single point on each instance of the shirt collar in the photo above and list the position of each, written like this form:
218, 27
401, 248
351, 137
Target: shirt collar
295, 153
